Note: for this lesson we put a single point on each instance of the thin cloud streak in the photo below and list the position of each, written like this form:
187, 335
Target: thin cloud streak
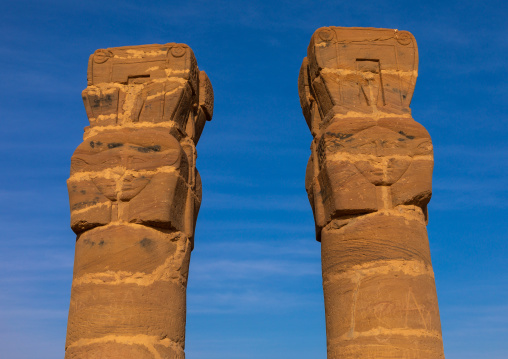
250, 301
295, 247
261, 202
241, 269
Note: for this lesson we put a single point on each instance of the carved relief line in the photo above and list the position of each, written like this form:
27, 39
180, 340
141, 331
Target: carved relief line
108, 85
91, 207
344, 156
139, 54
156, 231
376, 116
380, 331
163, 93
118, 173
144, 340
90, 132
408, 212
413, 268
165, 272
348, 73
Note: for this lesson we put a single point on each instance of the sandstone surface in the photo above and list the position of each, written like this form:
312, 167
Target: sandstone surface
369, 180
134, 194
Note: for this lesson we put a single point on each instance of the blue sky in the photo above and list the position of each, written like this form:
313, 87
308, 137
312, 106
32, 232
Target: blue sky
255, 283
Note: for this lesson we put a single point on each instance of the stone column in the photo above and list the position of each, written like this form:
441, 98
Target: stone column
369, 182
134, 195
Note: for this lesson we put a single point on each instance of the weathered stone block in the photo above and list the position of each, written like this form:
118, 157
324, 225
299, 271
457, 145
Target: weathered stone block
135, 194
380, 236
369, 180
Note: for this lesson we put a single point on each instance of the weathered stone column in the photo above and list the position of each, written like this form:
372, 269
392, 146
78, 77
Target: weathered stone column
134, 195
369, 182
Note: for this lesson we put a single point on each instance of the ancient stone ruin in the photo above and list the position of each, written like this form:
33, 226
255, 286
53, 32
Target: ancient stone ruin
134, 194
369, 182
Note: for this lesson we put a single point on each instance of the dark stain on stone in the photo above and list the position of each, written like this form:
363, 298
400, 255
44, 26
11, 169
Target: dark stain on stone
83, 204
145, 243
407, 136
339, 135
92, 144
114, 145
147, 149
82, 191
101, 243
89, 242
108, 100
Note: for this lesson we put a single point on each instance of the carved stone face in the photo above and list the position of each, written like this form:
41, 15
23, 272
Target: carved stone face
365, 165
382, 155
122, 164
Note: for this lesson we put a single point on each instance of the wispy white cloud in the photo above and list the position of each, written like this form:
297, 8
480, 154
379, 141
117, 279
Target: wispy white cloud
492, 153
473, 177
229, 269
226, 262
466, 199
35, 262
259, 202
45, 342
250, 301
33, 314
484, 325
301, 247
219, 227
212, 178
34, 82
242, 277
